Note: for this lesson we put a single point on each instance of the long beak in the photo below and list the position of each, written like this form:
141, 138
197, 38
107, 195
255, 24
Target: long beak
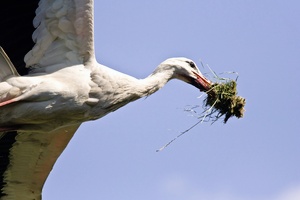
202, 83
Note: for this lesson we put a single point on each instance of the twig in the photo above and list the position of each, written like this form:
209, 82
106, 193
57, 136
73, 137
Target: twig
182, 133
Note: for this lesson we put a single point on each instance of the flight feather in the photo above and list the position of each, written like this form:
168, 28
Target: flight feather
63, 35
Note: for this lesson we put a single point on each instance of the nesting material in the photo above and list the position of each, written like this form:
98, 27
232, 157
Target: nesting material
222, 100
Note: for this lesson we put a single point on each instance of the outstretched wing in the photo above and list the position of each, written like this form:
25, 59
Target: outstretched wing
16, 30
63, 36
29, 158
16, 38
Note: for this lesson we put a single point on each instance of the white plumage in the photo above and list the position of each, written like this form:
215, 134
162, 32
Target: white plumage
65, 87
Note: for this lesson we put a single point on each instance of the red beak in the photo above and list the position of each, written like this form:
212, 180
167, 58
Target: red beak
202, 83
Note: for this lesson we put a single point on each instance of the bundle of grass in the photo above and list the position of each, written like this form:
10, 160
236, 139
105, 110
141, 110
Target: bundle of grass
222, 100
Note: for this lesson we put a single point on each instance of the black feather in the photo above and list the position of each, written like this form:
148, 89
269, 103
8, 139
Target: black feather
16, 30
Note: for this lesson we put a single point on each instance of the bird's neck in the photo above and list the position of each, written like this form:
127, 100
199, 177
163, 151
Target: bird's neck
119, 89
155, 81
111, 90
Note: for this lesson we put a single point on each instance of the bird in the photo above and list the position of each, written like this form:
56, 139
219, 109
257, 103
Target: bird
51, 82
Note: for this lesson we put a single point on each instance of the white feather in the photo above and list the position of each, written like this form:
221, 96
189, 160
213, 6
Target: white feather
64, 34
7, 69
65, 88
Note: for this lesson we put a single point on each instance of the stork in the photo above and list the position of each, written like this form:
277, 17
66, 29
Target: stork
50, 83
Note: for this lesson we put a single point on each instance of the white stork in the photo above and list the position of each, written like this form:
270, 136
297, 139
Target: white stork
50, 82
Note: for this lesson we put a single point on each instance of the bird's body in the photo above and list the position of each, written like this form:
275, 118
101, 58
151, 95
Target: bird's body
47, 96
66, 86
89, 93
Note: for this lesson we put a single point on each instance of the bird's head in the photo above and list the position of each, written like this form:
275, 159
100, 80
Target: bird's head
187, 71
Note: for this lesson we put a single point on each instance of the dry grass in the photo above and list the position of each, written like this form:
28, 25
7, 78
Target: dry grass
222, 100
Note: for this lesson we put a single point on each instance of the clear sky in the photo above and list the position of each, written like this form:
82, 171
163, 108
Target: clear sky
257, 157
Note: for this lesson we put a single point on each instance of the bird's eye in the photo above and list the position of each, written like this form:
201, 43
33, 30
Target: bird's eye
192, 64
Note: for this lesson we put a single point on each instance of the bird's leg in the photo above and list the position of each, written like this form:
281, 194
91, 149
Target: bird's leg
7, 102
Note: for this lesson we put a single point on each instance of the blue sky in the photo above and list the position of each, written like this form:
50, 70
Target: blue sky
257, 157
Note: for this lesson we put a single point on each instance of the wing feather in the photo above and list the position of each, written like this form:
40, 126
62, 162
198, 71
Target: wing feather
16, 30
31, 159
63, 35
7, 68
